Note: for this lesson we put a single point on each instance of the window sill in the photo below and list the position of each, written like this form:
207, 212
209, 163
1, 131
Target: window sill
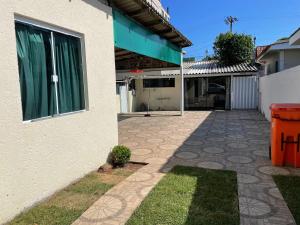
54, 116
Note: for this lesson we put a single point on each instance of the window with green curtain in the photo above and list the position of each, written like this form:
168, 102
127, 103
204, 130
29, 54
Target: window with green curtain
68, 66
35, 70
35, 59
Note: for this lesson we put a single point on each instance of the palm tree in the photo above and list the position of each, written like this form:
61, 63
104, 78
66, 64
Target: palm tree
230, 21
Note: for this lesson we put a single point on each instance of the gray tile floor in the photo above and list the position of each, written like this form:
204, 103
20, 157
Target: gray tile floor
232, 140
235, 140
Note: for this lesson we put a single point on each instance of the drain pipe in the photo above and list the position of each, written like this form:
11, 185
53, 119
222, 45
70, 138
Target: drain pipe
182, 84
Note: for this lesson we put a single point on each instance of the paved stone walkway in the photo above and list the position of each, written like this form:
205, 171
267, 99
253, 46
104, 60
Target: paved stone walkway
236, 140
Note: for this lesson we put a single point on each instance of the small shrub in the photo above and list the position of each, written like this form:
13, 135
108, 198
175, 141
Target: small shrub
120, 155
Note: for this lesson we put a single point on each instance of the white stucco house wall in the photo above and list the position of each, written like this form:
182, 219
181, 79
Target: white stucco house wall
43, 155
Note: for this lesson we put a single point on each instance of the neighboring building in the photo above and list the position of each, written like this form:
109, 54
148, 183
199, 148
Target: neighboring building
58, 93
278, 56
156, 4
295, 38
282, 87
207, 85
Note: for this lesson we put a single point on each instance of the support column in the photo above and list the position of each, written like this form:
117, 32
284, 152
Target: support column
231, 92
281, 61
182, 86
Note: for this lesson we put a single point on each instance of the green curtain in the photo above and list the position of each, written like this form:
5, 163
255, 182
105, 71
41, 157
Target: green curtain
69, 71
35, 69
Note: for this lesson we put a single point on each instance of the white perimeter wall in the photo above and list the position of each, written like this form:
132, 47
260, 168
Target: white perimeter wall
42, 157
282, 87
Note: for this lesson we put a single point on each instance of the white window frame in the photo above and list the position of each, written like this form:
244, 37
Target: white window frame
51, 29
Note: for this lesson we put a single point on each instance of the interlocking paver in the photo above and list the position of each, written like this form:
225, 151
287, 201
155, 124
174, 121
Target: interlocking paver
233, 140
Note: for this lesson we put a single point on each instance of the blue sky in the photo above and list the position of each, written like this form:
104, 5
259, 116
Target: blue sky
202, 20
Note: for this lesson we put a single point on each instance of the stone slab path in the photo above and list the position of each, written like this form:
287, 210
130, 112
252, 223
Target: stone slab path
235, 140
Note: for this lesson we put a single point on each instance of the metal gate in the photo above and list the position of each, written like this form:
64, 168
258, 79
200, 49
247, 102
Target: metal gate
207, 93
244, 92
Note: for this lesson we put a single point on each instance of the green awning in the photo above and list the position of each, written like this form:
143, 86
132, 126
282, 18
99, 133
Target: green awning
131, 36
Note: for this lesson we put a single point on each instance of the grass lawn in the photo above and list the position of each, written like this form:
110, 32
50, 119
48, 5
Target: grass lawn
289, 187
191, 196
67, 205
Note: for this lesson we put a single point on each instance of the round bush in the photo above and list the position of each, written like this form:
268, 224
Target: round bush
120, 155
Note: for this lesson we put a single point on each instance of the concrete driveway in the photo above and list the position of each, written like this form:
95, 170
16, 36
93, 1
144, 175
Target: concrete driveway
233, 140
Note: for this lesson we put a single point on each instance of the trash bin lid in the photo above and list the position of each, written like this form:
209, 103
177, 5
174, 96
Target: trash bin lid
287, 111
285, 107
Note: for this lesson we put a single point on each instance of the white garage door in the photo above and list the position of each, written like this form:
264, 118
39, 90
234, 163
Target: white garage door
244, 92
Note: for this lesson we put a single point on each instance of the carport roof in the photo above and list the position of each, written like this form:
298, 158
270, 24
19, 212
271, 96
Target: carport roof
213, 67
145, 14
198, 69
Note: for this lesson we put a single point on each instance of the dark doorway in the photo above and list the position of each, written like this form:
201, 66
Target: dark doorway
203, 93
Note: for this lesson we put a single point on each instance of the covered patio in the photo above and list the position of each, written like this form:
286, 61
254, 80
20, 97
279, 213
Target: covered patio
144, 38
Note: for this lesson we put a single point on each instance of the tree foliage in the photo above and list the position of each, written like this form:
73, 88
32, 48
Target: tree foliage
231, 48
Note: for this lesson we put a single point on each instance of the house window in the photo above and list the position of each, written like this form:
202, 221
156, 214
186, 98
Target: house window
50, 70
159, 83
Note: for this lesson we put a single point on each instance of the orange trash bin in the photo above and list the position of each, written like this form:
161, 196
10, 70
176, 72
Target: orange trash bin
285, 135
